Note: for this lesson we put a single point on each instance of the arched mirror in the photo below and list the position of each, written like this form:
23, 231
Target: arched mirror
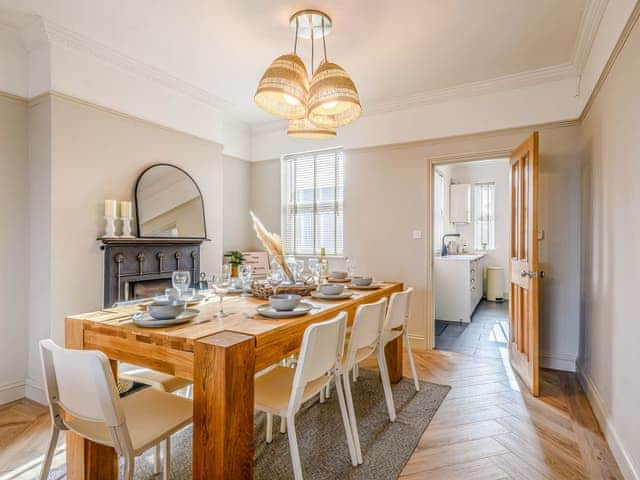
169, 204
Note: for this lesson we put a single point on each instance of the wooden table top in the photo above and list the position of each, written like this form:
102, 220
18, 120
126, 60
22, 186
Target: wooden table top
117, 321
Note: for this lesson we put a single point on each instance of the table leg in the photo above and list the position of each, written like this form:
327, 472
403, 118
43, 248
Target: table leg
223, 407
393, 355
87, 460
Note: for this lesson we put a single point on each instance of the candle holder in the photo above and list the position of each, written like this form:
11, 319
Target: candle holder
126, 227
110, 227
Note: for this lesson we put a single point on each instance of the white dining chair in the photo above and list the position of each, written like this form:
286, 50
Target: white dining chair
83, 398
365, 340
282, 390
395, 326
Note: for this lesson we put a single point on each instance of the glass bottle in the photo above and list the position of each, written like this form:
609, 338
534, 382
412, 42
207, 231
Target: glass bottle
324, 265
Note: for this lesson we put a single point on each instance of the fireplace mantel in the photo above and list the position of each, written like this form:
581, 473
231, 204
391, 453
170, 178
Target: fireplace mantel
128, 261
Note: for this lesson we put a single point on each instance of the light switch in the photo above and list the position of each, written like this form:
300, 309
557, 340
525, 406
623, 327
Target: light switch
417, 234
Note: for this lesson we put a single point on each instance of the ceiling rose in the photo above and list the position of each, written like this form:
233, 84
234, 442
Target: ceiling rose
317, 108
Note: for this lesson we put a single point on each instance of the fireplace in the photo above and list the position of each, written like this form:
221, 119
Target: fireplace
142, 267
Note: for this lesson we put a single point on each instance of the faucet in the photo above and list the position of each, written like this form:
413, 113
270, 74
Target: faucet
444, 251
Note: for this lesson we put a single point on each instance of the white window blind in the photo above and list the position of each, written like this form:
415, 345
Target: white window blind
485, 216
313, 202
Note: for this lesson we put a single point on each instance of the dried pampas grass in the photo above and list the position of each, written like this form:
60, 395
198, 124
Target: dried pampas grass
272, 244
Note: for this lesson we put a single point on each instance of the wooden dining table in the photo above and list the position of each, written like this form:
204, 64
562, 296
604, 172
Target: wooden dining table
220, 356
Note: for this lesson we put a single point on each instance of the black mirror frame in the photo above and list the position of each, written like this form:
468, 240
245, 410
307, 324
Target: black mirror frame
135, 193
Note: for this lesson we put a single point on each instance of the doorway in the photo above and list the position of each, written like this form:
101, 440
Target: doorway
470, 239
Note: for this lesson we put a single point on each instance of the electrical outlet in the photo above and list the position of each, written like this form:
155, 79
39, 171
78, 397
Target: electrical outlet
417, 234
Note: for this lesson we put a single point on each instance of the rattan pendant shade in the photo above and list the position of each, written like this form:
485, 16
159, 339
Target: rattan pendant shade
283, 89
303, 128
333, 100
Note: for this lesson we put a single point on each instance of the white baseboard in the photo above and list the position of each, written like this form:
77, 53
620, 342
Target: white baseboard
628, 469
558, 361
34, 391
11, 391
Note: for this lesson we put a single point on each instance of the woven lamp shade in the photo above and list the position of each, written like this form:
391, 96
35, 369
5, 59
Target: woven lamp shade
303, 128
283, 89
333, 100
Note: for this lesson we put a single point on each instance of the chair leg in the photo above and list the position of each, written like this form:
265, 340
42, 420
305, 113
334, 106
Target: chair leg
355, 372
386, 384
129, 467
166, 464
322, 397
283, 424
53, 442
350, 415
293, 448
157, 456
327, 390
269, 427
412, 362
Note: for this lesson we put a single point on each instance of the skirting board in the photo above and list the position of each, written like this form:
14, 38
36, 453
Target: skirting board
11, 391
34, 391
628, 469
558, 361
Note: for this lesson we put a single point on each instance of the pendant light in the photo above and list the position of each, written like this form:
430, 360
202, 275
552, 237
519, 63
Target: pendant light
304, 128
333, 98
283, 88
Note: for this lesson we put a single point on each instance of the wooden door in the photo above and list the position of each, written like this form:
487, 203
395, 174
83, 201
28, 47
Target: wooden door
524, 274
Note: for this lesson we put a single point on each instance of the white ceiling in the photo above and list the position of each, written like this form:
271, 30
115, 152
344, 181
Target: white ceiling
392, 49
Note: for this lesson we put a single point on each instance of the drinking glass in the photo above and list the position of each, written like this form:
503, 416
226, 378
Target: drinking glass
245, 272
221, 283
299, 269
181, 280
350, 266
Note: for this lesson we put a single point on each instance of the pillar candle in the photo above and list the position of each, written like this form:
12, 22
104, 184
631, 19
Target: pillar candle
110, 208
125, 209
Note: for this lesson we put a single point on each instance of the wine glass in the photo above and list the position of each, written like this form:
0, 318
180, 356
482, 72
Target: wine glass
350, 266
221, 284
275, 278
299, 269
181, 280
245, 272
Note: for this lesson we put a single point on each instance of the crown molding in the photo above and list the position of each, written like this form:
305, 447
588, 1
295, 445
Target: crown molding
589, 24
59, 35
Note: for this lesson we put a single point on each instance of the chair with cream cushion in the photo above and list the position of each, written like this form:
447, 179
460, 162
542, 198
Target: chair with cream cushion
365, 340
83, 398
282, 390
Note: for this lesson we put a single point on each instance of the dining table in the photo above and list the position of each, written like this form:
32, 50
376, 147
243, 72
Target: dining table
221, 357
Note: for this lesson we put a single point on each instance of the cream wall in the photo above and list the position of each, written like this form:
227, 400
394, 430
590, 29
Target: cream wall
97, 154
609, 353
237, 233
479, 172
385, 200
14, 231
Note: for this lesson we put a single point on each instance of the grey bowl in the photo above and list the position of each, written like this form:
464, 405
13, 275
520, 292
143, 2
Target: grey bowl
338, 275
332, 288
284, 302
362, 281
166, 310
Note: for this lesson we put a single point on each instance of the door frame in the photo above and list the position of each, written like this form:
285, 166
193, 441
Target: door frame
432, 162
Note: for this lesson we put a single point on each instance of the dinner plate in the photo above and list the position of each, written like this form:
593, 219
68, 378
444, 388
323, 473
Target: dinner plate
268, 311
145, 320
373, 286
324, 296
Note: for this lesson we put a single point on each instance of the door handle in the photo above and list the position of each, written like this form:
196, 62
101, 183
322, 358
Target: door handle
532, 273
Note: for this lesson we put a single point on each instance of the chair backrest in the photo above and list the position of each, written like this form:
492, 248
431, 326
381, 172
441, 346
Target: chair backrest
398, 311
81, 383
366, 329
321, 349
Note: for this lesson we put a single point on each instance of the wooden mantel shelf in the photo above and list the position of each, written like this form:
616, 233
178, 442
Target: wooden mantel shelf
151, 241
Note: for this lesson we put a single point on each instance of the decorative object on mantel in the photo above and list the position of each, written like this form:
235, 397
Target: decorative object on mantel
272, 244
126, 215
110, 215
314, 110
235, 259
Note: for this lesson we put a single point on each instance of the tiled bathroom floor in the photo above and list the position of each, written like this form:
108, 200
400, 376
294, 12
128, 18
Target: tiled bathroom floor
486, 336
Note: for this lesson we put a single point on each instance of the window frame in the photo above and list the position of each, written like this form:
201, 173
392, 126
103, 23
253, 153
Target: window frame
491, 220
338, 204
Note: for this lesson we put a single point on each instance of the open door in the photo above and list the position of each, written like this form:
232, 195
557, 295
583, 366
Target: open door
524, 274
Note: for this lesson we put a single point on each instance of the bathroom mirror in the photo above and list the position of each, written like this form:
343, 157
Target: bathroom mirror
169, 204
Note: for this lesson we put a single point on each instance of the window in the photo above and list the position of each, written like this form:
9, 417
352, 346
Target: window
484, 206
438, 210
312, 202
